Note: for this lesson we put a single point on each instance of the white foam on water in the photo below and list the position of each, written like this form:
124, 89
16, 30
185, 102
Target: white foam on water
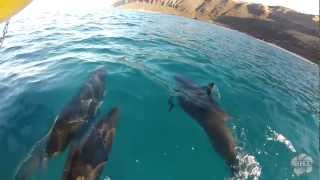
107, 178
249, 167
275, 136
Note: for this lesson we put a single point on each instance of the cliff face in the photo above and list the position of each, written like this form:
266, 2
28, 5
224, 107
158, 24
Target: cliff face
284, 27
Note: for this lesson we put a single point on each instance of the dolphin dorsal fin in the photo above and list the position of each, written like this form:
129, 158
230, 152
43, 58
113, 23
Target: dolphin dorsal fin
209, 88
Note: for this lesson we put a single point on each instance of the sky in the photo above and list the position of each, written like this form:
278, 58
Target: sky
70, 4
304, 6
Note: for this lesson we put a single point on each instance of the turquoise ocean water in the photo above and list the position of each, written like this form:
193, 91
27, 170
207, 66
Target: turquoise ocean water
271, 94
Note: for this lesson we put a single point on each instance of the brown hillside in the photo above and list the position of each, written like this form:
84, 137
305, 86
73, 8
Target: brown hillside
284, 27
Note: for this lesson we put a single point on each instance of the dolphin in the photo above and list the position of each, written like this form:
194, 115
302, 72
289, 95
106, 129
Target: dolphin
67, 124
88, 159
77, 113
198, 103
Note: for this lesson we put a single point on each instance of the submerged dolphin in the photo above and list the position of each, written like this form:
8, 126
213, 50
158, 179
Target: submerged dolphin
197, 102
87, 160
81, 109
67, 124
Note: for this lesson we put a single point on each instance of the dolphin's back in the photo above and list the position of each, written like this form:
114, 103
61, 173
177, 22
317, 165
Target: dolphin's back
88, 160
185, 83
222, 140
80, 109
205, 110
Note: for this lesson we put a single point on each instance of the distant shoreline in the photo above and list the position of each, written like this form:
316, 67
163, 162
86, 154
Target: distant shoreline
224, 26
304, 54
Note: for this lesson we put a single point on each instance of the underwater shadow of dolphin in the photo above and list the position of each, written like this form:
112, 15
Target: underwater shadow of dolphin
68, 123
88, 159
198, 103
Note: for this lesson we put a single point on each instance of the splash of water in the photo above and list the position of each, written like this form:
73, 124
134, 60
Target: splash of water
275, 136
249, 167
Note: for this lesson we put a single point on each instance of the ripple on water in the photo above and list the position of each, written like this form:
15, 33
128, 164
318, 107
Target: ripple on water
271, 94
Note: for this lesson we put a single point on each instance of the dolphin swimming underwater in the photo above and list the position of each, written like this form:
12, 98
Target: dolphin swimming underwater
68, 123
81, 109
198, 103
87, 160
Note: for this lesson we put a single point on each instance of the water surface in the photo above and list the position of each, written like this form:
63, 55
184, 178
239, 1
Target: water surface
268, 92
